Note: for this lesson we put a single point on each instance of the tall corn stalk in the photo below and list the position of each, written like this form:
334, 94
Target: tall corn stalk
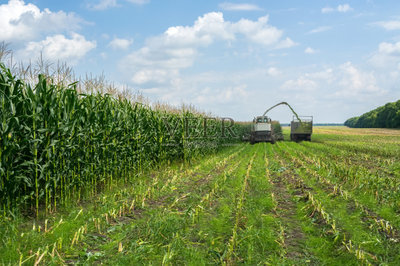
57, 144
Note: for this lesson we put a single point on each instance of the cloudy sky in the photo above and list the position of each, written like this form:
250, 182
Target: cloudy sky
329, 59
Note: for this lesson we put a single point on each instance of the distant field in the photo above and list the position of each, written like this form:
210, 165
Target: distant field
343, 130
333, 201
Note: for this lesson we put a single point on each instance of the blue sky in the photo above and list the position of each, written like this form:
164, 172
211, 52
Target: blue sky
329, 59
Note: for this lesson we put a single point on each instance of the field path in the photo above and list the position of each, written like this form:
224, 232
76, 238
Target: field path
294, 236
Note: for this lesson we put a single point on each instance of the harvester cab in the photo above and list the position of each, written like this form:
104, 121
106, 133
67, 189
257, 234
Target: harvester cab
262, 130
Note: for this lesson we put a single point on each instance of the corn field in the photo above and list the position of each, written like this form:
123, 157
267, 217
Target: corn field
57, 144
332, 201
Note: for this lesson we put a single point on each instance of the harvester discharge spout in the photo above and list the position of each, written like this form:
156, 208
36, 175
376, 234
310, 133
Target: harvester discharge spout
269, 109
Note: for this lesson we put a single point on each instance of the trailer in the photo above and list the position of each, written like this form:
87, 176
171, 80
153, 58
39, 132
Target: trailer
301, 128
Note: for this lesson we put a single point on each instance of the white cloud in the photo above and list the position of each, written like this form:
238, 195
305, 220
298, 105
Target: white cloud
260, 32
120, 44
309, 50
345, 80
273, 71
319, 29
340, 8
344, 8
163, 56
58, 47
139, 2
286, 43
389, 48
327, 9
154, 75
355, 82
106, 4
103, 4
22, 22
220, 95
388, 25
326, 75
205, 30
387, 56
302, 84
239, 7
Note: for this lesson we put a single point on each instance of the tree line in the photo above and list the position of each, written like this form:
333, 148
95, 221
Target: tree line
386, 116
